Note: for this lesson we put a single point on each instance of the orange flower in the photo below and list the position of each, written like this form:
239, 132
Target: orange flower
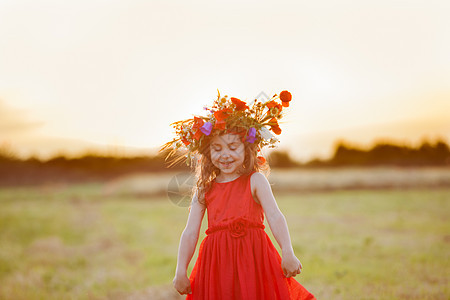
222, 114
185, 141
240, 105
285, 97
272, 104
261, 160
220, 125
198, 134
274, 126
274, 107
273, 122
198, 122
276, 130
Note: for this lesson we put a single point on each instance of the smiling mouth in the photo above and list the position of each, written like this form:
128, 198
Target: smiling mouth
226, 164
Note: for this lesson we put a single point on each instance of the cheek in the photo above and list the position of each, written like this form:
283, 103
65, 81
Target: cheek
214, 156
240, 154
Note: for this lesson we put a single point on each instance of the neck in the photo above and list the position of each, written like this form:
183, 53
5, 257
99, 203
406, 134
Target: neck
227, 177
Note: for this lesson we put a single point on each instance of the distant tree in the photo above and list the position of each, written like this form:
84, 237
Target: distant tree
347, 155
7, 153
442, 152
281, 159
388, 154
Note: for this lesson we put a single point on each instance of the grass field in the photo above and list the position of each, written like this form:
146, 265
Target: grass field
73, 242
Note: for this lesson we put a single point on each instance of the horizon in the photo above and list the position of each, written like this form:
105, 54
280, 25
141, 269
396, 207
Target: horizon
116, 152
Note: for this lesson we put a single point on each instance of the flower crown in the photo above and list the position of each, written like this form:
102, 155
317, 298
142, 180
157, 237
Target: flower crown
230, 115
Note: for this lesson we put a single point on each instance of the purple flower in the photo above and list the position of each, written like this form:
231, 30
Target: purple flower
206, 128
251, 135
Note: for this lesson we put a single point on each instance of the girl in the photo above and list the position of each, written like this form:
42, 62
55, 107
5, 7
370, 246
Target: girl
237, 259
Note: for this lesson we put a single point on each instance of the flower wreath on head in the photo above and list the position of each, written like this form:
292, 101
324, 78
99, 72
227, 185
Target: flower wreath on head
230, 115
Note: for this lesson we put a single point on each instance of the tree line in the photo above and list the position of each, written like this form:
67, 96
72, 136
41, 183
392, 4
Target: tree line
97, 167
384, 153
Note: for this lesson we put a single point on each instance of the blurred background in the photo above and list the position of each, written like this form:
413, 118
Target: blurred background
88, 89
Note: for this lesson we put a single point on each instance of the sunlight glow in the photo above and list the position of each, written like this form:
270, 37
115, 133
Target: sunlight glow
87, 80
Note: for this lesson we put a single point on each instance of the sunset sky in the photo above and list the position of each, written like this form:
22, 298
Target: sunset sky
113, 75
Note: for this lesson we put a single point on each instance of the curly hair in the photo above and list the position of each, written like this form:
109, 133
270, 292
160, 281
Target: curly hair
206, 171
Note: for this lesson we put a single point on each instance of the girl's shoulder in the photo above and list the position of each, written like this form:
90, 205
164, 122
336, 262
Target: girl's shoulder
258, 180
256, 174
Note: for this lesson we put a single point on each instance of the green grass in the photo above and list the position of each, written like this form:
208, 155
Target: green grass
383, 244
73, 242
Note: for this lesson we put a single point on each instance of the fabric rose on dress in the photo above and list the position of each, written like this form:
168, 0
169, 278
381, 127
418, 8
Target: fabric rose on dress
285, 97
238, 227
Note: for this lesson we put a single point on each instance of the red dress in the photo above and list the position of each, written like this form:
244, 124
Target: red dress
237, 259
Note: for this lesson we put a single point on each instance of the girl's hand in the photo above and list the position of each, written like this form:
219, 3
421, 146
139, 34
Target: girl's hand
291, 265
182, 284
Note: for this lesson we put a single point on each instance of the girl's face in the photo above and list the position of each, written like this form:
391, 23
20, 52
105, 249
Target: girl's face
227, 153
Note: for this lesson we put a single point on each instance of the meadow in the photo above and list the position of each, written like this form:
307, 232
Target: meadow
98, 241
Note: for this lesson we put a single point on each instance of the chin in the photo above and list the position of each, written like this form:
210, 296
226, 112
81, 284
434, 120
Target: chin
226, 170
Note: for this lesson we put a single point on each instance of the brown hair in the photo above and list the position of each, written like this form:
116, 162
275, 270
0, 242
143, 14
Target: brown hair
206, 171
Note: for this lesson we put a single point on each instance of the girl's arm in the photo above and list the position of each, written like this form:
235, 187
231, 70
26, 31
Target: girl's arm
277, 222
188, 242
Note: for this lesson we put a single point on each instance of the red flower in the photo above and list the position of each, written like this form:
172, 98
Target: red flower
274, 104
285, 97
240, 105
198, 134
261, 160
274, 108
276, 130
198, 122
220, 125
222, 114
185, 141
238, 227
274, 126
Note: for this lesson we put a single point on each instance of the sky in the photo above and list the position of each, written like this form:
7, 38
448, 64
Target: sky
112, 75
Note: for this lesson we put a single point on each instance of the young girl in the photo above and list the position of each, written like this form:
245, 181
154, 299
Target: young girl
237, 259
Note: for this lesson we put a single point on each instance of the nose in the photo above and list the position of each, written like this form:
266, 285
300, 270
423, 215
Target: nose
225, 153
